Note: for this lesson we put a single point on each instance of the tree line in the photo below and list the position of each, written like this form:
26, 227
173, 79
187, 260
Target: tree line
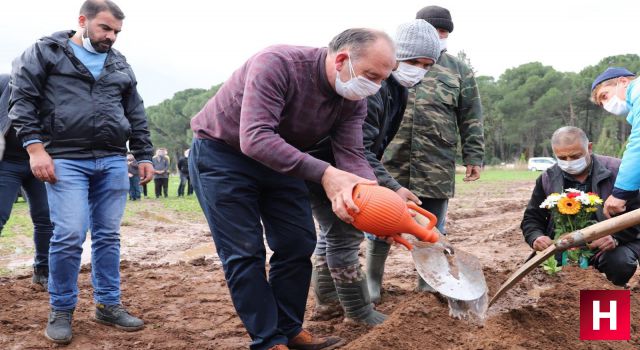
521, 109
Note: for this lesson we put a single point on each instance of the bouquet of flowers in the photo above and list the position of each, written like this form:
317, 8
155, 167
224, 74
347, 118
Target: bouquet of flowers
571, 210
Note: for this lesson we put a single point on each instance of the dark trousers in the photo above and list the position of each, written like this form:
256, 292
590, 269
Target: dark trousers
236, 193
144, 190
437, 207
162, 186
618, 265
134, 187
185, 181
13, 175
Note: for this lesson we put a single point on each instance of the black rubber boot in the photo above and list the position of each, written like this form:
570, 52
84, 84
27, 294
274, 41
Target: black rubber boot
59, 327
41, 276
354, 297
117, 316
377, 252
324, 292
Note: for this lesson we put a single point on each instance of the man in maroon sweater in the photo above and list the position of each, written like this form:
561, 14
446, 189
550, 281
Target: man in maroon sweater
248, 165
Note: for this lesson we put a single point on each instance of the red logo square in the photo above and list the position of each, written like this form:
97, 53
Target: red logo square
605, 315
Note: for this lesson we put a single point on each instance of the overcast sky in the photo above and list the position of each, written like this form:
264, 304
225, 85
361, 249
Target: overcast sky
174, 45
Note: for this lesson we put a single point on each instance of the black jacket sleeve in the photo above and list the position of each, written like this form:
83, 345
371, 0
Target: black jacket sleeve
371, 131
28, 77
535, 220
140, 139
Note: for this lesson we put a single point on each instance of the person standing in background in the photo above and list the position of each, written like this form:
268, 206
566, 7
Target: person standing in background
422, 157
183, 169
161, 169
134, 178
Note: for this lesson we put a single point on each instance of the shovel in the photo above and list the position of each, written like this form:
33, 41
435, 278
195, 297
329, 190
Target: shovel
570, 240
454, 274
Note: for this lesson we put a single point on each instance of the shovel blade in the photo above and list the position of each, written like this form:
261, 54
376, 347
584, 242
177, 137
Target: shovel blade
458, 275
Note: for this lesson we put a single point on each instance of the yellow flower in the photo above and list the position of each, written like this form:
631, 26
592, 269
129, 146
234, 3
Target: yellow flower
568, 206
591, 210
594, 199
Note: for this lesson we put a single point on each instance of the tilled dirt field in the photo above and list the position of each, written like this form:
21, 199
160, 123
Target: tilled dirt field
173, 280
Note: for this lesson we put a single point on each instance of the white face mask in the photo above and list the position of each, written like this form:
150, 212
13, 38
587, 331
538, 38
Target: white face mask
615, 105
409, 75
356, 88
443, 44
573, 167
86, 42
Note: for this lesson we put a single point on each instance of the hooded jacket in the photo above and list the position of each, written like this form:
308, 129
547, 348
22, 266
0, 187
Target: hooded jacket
56, 100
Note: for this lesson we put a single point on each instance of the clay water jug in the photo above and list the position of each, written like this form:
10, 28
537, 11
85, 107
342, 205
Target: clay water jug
385, 214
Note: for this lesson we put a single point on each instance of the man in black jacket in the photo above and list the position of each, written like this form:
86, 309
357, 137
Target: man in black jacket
616, 255
15, 174
337, 279
183, 169
74, 104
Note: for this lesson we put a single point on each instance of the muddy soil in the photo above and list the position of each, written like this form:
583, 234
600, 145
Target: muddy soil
173, 280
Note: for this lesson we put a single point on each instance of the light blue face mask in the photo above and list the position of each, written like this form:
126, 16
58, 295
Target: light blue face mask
86, 42
615, 105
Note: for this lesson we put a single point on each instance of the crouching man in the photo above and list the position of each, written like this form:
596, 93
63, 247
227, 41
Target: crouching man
616, 255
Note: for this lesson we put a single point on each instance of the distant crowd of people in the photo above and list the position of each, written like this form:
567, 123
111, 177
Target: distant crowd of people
162, 170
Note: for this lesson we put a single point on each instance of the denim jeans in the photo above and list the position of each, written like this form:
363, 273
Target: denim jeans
436, 206
185, 182
89, 194
16, 174
240, 198
134, 187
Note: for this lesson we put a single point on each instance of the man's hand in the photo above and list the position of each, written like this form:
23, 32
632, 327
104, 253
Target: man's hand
613, 206
146, 172
41, 163
603, 244
407, 195
472, 174
339, 186
541, 243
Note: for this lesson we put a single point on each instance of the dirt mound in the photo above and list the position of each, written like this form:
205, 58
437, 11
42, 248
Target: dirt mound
175, 283
187, 306
421, 321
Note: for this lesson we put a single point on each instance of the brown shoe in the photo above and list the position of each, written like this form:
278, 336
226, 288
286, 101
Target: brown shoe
306, 341
279, 347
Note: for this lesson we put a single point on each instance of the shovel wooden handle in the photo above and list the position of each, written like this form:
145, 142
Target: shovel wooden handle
599, 230
573, 239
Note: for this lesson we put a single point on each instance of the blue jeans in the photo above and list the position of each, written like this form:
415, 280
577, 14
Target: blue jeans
436, 206
134, 187
185, 182
16, 174
89, 194
236, 194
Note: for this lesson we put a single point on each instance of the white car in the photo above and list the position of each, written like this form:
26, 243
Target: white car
540, 163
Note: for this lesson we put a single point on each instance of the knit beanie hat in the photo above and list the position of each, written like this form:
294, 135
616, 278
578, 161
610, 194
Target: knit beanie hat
417, 39
611, 73
439, 17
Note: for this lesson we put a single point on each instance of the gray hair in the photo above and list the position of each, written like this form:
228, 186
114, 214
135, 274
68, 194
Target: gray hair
357, 40
568, 135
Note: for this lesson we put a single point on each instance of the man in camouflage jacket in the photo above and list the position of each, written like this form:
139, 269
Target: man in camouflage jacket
422, 155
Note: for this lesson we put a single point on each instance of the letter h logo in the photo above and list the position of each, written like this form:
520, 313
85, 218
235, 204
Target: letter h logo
605, 315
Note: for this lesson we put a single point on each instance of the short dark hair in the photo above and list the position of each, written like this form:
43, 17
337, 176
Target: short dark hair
356, 40
568, 135
91, 8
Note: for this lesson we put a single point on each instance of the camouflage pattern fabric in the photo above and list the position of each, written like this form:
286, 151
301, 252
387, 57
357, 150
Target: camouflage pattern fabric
349, 274
422, 155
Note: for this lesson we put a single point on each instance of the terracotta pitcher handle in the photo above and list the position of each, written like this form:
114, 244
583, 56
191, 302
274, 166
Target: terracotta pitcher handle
433, 220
